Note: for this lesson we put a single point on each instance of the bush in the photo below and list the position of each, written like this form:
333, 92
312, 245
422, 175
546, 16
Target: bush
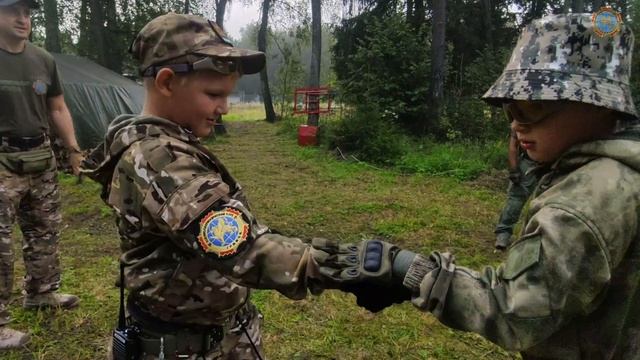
367, 135
385, 61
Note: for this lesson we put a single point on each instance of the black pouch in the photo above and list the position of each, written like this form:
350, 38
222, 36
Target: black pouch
27, 162
126, 344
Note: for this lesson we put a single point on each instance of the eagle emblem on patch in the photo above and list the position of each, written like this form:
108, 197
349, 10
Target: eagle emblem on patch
222, 232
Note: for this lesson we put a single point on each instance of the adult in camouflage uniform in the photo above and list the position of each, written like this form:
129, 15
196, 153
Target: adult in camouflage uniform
190, 243
523, 177
570, 285
30, 95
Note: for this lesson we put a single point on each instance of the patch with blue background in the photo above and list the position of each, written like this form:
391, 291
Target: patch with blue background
222, 232
39, 87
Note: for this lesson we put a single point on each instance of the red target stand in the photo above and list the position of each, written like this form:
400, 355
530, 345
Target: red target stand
311, 100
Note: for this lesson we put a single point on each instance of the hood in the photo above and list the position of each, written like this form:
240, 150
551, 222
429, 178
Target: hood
122, 133
623, 147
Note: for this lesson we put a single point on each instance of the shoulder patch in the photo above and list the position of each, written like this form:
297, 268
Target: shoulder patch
222, 232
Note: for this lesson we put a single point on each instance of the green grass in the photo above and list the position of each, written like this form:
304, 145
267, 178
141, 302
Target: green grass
303, 192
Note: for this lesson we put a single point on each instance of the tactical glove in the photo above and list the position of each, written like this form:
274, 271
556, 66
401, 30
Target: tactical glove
365, 270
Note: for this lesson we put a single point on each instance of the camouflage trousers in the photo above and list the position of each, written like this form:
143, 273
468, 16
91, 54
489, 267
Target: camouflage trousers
34, 200
234, 346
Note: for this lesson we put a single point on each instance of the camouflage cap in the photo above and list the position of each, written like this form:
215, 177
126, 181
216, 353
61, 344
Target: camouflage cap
33, 4
172, 36
567, 57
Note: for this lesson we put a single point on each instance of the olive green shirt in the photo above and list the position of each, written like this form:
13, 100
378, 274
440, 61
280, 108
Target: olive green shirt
27, 80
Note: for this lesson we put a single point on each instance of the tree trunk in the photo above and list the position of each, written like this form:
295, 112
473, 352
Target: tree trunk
316, 50
410, 11
578, 6
221, 8
97, 31
488, 24
113, 58
437, 58
187, 7
597, 4
83, 41
264, 79
51, 26
420, 14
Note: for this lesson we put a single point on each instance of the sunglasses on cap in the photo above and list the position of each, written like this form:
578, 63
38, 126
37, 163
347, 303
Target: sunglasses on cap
219, 65
531, 112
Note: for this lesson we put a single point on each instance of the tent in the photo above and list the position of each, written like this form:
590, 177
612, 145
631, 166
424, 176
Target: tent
95, 95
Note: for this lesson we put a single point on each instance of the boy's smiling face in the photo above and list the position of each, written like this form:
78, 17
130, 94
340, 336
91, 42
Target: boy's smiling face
546, 140
199, 99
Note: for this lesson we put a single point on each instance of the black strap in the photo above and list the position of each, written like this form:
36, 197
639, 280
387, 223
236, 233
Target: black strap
246, 333
122, 321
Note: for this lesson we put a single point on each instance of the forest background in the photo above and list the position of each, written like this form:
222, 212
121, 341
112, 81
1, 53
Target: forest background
406, 75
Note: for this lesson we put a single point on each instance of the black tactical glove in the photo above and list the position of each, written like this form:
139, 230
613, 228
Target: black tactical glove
366, 270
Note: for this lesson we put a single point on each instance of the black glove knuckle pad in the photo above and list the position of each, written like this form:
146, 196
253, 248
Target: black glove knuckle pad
373, 256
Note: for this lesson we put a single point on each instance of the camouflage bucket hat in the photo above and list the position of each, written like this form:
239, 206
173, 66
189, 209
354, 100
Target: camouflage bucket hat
568, 57
174, 36
33, 4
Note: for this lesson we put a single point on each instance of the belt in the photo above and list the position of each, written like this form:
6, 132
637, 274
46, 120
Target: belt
23, 143
174, 340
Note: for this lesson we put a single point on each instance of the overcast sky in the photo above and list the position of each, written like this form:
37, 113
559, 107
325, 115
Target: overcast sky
240, 15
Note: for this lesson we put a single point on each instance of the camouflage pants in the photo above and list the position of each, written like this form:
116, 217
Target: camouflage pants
234, 346
33, 200
517, 196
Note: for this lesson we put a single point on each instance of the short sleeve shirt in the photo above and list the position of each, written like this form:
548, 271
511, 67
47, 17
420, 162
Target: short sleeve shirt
27, 80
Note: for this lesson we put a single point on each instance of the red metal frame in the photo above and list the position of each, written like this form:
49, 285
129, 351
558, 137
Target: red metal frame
312, 97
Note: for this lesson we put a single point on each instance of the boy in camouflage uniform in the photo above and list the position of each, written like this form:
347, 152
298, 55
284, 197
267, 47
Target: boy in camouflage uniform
30, 96
570, 286
190, 243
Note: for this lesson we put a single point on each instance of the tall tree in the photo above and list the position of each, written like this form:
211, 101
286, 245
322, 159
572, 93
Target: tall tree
488, 24
264, 78
52, 26
112, 54
221, 8
84, 38
316, 51
187, 7
96, 31
438, 49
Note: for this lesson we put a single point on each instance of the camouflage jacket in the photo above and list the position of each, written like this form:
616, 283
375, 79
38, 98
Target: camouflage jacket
570, 286
161, 181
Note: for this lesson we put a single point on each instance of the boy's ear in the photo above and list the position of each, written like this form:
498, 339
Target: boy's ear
164, 81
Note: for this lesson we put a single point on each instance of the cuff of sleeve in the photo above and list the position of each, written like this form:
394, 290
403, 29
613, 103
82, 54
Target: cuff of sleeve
420, 266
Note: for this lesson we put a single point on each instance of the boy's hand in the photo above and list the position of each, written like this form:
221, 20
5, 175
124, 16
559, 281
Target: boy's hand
364, 269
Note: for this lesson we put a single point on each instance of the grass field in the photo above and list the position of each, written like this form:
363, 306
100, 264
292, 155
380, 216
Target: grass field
301, 192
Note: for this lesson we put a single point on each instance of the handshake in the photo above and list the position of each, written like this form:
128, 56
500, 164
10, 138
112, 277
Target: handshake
378, 273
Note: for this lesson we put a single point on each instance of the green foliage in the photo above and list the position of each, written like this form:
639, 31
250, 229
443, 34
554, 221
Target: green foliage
368, 135
461, 160
384, 62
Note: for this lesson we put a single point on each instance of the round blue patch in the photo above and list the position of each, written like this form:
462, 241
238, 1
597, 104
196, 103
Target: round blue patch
222, 232
606, 21
40, 87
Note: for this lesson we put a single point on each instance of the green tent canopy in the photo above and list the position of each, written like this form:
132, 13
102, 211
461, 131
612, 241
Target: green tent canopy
95, 95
